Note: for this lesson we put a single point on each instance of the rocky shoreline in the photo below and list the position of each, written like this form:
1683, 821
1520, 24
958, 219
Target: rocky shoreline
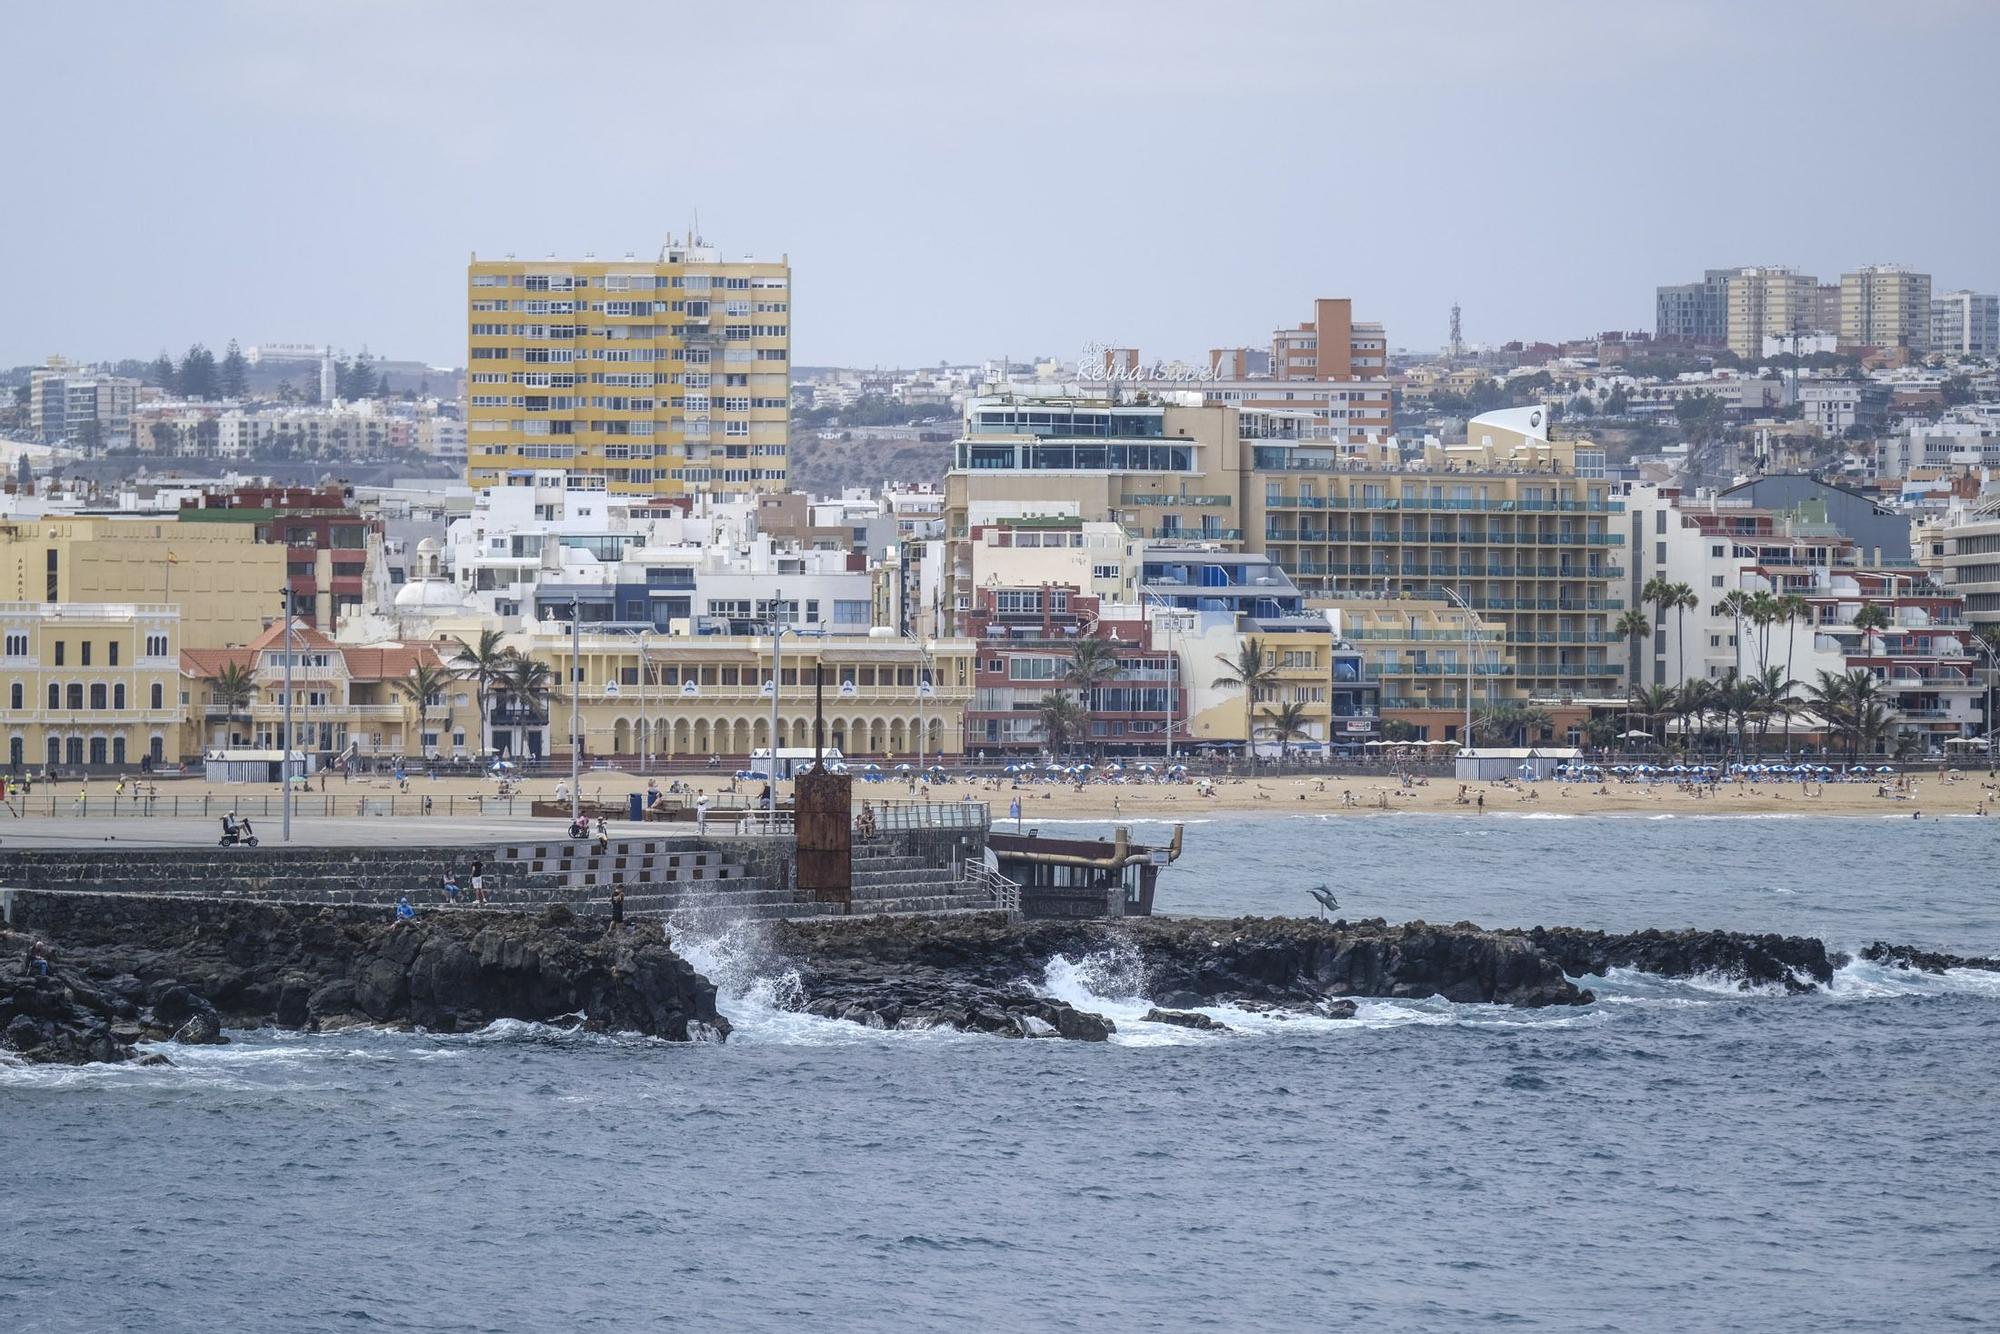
118, 972
979, 974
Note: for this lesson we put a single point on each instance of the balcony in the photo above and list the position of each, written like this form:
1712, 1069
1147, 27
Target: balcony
1200, 534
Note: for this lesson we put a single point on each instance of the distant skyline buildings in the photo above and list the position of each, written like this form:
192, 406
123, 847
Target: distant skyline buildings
914, 245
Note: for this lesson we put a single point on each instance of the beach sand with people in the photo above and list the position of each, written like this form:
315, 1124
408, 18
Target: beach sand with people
1955, 792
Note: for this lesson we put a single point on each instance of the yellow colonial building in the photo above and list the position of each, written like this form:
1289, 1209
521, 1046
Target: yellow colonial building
704, 695
657, 376
90, 684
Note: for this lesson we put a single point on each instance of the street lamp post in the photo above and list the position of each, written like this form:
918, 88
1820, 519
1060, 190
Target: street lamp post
575, 706
777, 661
1465, 740
1992, 678
926, 673
285, 751
645, 724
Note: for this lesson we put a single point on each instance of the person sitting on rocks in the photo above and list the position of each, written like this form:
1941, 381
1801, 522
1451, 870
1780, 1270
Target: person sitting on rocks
404, 911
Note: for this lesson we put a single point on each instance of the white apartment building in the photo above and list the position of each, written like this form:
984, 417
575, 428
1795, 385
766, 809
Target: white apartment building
1965, 324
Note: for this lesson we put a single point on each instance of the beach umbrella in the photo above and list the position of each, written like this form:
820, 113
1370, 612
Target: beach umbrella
871, 767
1884, 769
1678, 769
901, 768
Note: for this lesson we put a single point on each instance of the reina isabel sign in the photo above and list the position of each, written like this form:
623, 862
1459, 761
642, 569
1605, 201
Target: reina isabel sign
1093, 365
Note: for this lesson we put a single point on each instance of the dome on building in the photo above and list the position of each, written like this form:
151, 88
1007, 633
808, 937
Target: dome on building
429, 595
429, 589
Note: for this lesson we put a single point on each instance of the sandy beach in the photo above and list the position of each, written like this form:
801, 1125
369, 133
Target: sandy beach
1966, 792
1971, 793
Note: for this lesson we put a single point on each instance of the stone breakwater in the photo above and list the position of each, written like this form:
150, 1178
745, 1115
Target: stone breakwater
127, 969
980, 973
121, 970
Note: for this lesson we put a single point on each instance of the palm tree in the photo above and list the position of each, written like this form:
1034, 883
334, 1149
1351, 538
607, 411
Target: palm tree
1684, 600
425, 683
1632, 625
1091, 662
233, 687
1771, 696
1287, 723
1691, 704
527, 682
1794, 606
1829, 696
1654, 704
483, 666
1735, 603
1870, 619
1061, 720
1763, 613
1250, 671
1510, 722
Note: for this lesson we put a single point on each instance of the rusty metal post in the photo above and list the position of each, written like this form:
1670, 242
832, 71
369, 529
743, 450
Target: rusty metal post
823, 820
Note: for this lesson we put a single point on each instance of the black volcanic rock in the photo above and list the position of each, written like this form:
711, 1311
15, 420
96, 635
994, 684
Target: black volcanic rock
178, 972
1925, 961
1797, 963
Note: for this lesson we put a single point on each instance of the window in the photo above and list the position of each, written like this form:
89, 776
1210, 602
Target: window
159, 695
118, 696
17, 646
110, 654
61, 651
1715, 581
55, 695
15, 695
97, 695
76, 697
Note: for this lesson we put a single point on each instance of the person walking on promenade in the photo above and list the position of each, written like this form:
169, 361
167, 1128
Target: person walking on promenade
701, 814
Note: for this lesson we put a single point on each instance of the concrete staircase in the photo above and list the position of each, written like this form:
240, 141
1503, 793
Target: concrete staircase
661, 878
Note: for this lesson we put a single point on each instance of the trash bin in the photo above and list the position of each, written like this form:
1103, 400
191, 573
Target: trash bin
635, 806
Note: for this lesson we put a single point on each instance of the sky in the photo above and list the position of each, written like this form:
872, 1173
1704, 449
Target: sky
957, 181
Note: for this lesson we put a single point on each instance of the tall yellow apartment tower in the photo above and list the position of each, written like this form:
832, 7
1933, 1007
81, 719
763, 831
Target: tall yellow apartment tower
636, 376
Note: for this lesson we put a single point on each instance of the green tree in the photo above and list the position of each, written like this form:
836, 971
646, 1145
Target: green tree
1632, 626
483, 665
233, 687
1062, 721
1652, 706
1288, 724
1091, 663
197, 377
1870, 620
1251, 671
527, 683
1793, 608
234, 375
161, 372
425, 686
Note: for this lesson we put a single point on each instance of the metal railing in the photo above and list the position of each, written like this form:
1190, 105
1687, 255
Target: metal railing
1006, 893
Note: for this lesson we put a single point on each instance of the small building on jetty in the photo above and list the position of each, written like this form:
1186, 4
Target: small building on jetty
1079, 877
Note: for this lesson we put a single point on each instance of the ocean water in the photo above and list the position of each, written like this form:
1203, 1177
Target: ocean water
1678, 1156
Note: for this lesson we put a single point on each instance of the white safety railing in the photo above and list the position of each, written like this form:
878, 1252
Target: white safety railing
766, 823
1006, 893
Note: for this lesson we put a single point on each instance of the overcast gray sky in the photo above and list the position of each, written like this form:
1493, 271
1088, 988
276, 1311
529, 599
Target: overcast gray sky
963, 180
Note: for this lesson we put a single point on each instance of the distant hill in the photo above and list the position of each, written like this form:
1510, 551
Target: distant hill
867, 456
